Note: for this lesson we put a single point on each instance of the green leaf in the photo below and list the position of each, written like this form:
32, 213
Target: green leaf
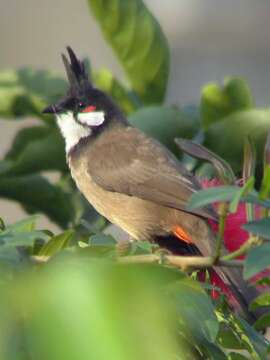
260, 301
212, 195
35, 149
26, 92
165, 123
263, 322
102, 240
100, 311
248, 186
105, 81
217, 102
249, 161
259, 227
265, 187
28, 224
21, 238
195, 310
236, 356
56, 243
138, 41
227, 137
37, 193
257, 260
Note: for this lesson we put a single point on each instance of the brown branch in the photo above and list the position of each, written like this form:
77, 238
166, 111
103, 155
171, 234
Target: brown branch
182, 262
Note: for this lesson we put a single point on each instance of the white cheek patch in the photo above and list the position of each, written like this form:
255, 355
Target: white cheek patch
94, 118
71, 130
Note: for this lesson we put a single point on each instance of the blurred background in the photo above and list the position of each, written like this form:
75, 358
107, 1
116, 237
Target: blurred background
208, 40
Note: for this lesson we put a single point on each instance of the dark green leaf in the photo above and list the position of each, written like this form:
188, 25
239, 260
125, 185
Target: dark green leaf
263, 322
40, 195
56, 243
35, 149
259, 227
261, 300
257, 260
227, 137
212, 195
139, 43
165, 124
195, 310
217, 102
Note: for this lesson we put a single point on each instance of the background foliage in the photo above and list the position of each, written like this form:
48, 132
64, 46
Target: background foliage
82, 302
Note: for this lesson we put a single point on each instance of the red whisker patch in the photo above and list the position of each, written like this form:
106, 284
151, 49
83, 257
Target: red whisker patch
89, 108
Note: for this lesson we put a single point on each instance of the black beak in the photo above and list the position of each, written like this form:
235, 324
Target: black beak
49, 110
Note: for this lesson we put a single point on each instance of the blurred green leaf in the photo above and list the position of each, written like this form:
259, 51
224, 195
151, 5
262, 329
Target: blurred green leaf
249, 160
263, 322
102, 311
261, 300
26, 92
28, 224
165, 123
217, 102
195, 310
236, 356
212, 195
265, 187
56, 243
259, 227
252, 266
105, 81
227, 137
21, 238
139, 43
35, 149
244, 190
102, 239
37, 193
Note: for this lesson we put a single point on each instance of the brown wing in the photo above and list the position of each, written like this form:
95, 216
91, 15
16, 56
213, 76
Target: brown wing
137, 165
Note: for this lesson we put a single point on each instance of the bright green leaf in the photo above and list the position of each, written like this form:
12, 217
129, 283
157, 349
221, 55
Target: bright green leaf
217, 102
105, 81
56, 243
138, 41
261, 300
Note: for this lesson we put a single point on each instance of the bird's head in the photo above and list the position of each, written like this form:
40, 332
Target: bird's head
84, 109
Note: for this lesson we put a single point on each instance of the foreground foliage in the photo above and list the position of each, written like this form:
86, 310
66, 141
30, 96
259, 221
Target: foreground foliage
70, 295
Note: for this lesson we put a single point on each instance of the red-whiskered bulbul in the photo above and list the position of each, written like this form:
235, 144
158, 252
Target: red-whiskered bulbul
130, 178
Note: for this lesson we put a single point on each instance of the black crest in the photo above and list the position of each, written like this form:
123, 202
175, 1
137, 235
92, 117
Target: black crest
76, 73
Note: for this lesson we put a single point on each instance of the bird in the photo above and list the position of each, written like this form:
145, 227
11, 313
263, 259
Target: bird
132, 179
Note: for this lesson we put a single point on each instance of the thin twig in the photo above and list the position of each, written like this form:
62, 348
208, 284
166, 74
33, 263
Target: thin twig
182, 262
242, 250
